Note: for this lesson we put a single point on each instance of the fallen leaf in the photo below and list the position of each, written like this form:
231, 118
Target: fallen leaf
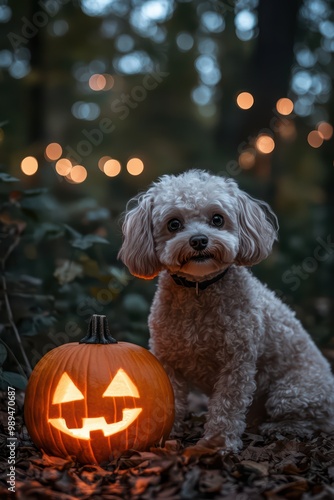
50, 461
292, 489
211, 481
142, 483
196, 452
258, 468
188, 488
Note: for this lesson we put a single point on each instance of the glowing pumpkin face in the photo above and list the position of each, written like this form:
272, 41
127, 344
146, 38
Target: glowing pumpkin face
67, 391
94, 400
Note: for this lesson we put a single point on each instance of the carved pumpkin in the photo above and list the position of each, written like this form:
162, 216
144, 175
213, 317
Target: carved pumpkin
98, 397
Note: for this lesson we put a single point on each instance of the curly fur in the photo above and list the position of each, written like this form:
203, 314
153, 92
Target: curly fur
235, 340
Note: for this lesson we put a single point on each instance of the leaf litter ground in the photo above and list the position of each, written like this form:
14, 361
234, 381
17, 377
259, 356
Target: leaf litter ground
269, 468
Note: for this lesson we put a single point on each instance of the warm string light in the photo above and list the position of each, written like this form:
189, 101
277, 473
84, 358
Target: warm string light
78, 174
284, 106
73, 174
112, 168
246, 160
29, 165
102, 161
325, 130
53, 151
265, 144
245, 100
63, 167
315, 139
287, 130
135, 166
99, 82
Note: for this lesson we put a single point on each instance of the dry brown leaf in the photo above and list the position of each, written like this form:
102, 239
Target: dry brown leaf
50, 475
169, 493
36, 491
142, 483
50, 461
292, 488
91, 473
256, 454
211, 481
173, 445
258, 468
196, 452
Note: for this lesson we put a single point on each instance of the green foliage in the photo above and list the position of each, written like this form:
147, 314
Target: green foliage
77, 240
69, 277
9, 378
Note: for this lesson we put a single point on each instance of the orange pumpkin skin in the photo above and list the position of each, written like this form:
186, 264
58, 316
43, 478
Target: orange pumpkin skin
92, 368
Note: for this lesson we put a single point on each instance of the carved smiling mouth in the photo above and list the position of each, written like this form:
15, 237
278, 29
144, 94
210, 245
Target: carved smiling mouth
95, 424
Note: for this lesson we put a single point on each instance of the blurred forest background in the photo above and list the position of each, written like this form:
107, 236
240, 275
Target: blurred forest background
99, 98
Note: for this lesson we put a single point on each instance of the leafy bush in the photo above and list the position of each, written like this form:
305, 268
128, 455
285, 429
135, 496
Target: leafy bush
56, 270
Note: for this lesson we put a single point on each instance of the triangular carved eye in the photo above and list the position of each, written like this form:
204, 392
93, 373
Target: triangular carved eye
66, 391
121, 385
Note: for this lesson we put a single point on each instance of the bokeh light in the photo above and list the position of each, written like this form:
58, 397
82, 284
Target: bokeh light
247, 160
184, 41
135, 166
63, 166
287, 130
53, 151
97, 82
102, 162
101, 82
212, 22
124, 43
85, 110
109, 82
325, 130
134, 62
265, 144
202, 95
58, 27
284, 106
314, 139
29, 165
245, 100
78, 174
112, 168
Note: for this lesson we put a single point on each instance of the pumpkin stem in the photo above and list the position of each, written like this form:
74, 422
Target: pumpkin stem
98, 331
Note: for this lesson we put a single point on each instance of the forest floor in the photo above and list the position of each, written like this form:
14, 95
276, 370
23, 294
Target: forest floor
272, 469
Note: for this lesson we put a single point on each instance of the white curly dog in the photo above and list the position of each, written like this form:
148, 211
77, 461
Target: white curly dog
213, 325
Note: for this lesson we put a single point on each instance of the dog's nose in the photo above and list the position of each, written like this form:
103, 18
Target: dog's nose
199, 241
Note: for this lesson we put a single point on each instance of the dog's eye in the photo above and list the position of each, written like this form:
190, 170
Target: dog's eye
218, 220
174, 225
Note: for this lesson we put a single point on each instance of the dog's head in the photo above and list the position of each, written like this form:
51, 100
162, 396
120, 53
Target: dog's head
195, 225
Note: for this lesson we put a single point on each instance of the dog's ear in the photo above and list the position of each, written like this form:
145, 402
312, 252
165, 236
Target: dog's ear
138, 249
258, 228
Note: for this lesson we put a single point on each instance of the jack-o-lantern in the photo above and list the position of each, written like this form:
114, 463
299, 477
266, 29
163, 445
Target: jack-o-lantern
98, 397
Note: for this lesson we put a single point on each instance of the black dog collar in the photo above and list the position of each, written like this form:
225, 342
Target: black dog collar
199, 285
